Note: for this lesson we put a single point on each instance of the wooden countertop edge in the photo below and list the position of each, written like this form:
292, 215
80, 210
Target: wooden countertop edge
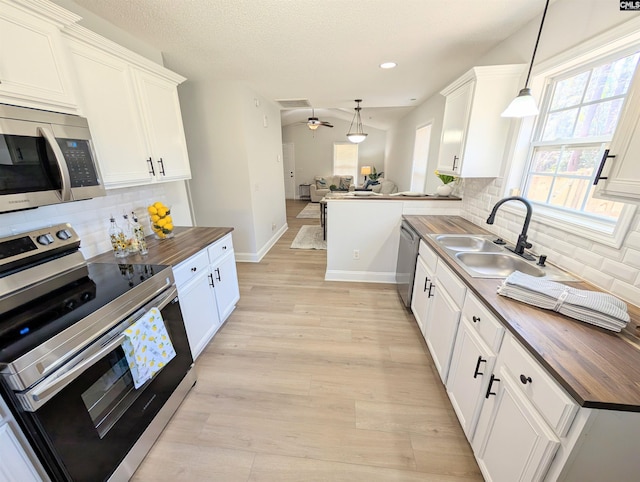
186, 242
601, 369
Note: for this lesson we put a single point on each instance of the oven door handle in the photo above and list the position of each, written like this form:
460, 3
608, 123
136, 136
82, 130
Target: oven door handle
47, 389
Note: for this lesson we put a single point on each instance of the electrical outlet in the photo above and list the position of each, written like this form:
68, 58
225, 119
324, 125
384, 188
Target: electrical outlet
356, 254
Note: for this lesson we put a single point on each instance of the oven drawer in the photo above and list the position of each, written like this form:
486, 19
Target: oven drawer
190, 268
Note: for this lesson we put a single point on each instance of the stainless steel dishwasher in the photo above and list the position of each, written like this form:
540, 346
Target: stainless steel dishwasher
406, 265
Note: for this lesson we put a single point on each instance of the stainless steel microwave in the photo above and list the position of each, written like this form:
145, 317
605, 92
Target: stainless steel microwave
45, 158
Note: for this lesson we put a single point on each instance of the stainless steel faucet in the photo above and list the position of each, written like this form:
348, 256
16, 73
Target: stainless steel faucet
522, 243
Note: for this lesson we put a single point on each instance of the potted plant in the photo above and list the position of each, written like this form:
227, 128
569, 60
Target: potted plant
447, 180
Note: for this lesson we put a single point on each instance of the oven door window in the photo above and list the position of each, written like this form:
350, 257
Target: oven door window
110, 395
27, 164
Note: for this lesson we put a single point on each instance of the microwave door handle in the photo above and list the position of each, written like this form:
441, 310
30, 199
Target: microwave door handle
65, 195
45, 390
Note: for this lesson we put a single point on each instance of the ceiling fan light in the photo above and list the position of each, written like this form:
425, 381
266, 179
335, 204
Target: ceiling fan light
356, 138
312, 127
524, 105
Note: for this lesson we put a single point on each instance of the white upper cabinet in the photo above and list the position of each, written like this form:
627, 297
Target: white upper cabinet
163, 121
133, 111
619, 177
474, 134
34, 69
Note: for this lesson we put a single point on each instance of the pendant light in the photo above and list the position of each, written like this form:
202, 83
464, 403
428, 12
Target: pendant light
359, 135
524, 105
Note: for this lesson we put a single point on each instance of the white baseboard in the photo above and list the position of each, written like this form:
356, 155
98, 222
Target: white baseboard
360, 276
257, 257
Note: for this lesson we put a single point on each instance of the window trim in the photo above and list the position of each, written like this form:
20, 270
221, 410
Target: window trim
617, 39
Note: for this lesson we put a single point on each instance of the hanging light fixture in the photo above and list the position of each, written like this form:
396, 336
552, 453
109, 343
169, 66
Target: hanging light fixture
524, 105
359, 135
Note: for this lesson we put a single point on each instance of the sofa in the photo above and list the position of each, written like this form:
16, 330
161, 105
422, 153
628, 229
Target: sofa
321, 185
385, 187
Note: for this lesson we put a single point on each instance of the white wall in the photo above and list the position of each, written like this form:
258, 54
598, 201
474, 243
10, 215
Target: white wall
314, 149
399, 154
237, 175
615, 270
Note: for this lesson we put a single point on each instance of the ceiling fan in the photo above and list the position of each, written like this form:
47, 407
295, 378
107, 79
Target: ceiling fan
313, 122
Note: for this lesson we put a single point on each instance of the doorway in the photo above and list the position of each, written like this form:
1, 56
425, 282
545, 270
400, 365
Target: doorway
289, 168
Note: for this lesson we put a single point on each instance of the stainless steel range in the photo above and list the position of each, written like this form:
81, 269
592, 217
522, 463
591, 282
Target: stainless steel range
63, 369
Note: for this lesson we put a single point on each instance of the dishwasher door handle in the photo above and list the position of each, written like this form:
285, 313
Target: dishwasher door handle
408, 233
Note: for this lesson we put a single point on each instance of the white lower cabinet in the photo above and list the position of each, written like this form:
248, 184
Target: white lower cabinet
225, 276
444, 317
423, 286
472, 363
208, 288
17, 461
512, 442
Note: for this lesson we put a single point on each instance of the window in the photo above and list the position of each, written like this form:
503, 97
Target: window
420, 157
579, 114
345, 159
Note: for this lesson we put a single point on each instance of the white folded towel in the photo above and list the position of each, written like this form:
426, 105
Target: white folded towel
600, 309
147, 347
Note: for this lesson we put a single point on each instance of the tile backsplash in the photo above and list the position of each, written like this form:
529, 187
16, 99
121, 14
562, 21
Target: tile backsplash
613, 270
90, 218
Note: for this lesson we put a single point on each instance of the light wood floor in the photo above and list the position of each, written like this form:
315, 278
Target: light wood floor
313, 381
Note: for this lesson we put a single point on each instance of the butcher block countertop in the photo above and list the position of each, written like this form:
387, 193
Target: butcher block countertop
186, 242
599, 368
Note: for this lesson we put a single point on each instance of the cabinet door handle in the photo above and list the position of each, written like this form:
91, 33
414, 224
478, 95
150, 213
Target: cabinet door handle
430, 294
491, 380
211, 281
194, 269
525, 380
161, 162
219, 278
152, 171
599, 176
476, 372
475, 319
455, 159
426, 280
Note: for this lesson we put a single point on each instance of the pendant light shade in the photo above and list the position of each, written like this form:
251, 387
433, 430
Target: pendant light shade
358, 135
524, 105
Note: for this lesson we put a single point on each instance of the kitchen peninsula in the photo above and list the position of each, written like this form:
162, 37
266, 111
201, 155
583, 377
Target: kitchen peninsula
363, 232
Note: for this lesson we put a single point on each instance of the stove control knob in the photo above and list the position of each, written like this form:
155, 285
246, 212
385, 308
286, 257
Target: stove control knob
71, 305
45, 239
63, 234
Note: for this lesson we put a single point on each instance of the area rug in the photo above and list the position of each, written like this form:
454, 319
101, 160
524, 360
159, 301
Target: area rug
310, 211
309, 237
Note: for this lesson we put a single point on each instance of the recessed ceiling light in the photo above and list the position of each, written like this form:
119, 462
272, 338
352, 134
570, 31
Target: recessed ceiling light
388, 65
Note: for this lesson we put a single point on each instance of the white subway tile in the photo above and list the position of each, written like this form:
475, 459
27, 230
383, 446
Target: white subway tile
620, 271
608, 252
632, 258
598, 278
629, 293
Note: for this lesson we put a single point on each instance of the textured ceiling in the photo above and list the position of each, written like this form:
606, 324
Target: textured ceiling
327, 51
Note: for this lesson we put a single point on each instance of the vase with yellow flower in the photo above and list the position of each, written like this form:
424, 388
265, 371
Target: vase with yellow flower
447, 184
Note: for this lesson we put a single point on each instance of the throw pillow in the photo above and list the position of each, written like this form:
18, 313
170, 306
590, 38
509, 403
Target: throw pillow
345, 182
321, 183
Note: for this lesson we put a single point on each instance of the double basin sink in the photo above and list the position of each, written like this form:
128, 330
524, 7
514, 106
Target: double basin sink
480, 257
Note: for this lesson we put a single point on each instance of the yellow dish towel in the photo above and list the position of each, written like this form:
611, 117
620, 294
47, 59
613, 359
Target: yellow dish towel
147, 347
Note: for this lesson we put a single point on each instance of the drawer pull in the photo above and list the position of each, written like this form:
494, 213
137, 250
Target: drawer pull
194, 269
525, 380
224, 247
476, 372
476, 319
491, 380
